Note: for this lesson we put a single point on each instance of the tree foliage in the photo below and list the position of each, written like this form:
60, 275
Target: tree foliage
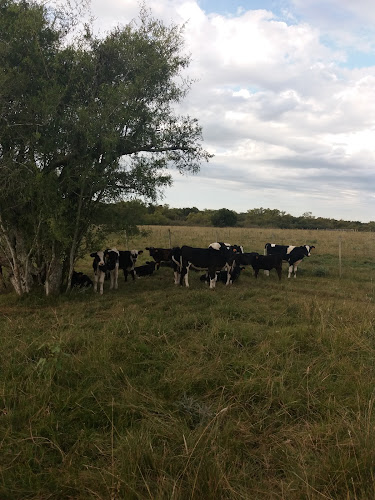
224, 218
83, 120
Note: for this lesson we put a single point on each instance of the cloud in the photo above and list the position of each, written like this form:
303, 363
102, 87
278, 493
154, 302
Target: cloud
290, 122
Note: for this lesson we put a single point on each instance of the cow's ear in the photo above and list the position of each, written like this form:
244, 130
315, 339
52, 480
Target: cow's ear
140, 251
92, 254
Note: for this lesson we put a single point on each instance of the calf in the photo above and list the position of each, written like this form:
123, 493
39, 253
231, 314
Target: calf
127, 261
291, 254
203, 259
145, 270
80, 280
267, 262
223, 275
160, 255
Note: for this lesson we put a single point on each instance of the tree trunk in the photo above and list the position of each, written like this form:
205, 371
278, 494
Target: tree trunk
52, 285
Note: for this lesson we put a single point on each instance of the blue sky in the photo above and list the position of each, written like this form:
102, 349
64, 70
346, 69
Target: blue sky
284, 92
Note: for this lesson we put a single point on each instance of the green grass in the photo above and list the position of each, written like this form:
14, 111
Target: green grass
260, 390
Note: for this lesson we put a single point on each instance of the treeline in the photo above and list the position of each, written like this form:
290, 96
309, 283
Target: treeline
136, 213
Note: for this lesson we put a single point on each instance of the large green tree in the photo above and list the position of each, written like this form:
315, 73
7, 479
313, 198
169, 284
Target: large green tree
83, 120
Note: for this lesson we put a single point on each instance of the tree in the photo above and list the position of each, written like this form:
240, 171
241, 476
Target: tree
224, 218
83, 121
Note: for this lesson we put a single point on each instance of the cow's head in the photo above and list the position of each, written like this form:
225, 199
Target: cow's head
308, 249
99, 261
134, 255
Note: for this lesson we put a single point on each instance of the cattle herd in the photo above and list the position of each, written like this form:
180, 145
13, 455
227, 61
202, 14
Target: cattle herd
220, 261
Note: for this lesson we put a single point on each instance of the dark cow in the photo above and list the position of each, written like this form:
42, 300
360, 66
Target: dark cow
106, 261
222, 276
145, 270
207, 259
127, 261
160, 255
258, 262
267, 262
291, 254
80, 280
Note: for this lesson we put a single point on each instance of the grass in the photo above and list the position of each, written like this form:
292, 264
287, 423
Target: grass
259, 390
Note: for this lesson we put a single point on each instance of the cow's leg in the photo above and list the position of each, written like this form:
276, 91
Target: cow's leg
229, 270
186, 278
290, 270
296, 267
256, 272
96, 277
279, 271
183, 276
177, 277
116, 277
101, 282
213, 278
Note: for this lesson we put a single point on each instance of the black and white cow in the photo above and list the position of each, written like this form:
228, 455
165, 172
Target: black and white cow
100, 270
106, 261
127, 261
221, 246
291, 254
207, 259
80, 280
145, 270
222, 276
160, 255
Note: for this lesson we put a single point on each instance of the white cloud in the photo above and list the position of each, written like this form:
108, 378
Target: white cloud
291, 126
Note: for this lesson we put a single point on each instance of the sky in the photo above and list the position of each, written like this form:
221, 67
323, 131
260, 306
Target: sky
285, 93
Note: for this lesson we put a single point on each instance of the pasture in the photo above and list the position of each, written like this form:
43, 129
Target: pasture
259, 390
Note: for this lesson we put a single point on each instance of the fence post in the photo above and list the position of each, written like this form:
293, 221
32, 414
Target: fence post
126, 240
170, 237
340, 268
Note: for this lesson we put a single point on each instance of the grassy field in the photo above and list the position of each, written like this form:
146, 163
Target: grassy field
259, 390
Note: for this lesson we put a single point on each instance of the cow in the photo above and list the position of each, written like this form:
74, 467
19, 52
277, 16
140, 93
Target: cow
207, 259
127, 261
160, 255
218, 245
80, 280
258, 262
267, 262
105, 262
100, 270
222, 276
291, 254
145, 270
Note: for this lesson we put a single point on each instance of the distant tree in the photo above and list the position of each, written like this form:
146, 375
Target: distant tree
224, 218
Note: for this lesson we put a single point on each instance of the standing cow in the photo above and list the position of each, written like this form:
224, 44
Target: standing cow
207, 259
160, 255
291, 254
105, 261
127, 261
